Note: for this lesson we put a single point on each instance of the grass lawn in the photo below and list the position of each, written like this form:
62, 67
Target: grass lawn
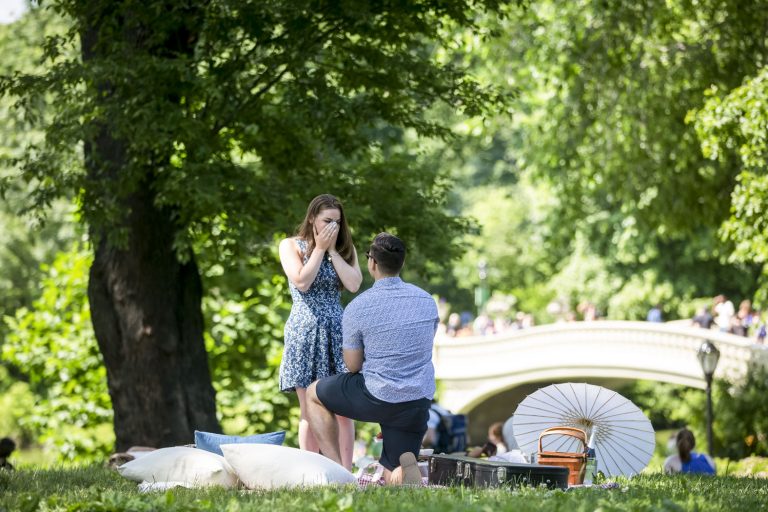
99, 489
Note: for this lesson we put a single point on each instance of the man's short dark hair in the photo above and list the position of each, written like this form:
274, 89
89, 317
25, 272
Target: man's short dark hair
388, 252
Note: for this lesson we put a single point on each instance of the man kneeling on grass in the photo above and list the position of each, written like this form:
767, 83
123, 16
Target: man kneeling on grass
388, 333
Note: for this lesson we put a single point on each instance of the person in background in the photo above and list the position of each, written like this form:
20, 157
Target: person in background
654, 314
702, 319
508, 433
6, 449
436, 412
494, 445
744, 319
686, 460
496, 436
454, 324
319, 261
483, 325
588, 311
723, 311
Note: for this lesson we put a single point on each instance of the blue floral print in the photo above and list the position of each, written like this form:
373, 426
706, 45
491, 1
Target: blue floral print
313, 330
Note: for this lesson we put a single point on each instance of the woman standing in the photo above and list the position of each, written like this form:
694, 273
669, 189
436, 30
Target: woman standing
319, 261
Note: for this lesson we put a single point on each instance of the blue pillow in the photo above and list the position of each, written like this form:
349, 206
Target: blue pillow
211, 442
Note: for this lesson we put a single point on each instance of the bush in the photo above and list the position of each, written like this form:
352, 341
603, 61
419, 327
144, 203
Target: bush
741, 414
244, 344
740, 424
15, 400
54, 345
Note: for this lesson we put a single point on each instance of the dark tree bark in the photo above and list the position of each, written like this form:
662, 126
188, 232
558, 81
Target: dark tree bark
146, 305
146, 312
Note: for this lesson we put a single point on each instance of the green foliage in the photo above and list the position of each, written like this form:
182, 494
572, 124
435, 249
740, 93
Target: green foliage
600, 126
233, 114
609, 86
741, 414
275, 103
15, 400
584, 277
244, 344
510, 240
25, 242
639, 293
668, 406
740, 426
24, 246
53, 343
735, 122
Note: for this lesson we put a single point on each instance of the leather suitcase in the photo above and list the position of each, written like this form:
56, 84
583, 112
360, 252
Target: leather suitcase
472, 472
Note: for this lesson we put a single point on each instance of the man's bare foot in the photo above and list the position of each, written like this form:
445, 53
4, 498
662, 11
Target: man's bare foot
410, 468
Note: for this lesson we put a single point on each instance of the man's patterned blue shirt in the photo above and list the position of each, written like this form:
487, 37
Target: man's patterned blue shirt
394, 323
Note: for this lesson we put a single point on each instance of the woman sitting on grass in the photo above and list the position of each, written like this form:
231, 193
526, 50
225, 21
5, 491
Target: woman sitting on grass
686, 460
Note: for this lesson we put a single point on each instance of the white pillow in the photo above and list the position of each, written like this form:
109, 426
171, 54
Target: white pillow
180, 464
269, 466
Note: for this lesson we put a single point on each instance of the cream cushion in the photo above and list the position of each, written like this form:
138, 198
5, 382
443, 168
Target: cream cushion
268, 466
180, 464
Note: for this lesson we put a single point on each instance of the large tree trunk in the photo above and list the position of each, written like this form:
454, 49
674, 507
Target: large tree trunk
146, 305
146, 311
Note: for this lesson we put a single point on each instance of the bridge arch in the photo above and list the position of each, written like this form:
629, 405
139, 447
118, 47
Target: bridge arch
472, 369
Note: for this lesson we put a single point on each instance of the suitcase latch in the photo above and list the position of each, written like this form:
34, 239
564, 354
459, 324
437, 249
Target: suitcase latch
467, 471
501, 475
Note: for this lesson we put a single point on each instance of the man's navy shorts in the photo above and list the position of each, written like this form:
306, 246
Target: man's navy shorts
403, 425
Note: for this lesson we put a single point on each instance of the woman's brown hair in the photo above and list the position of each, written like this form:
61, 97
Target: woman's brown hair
344, 245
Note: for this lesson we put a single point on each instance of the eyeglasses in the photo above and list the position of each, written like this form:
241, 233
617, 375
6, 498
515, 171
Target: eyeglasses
369, 256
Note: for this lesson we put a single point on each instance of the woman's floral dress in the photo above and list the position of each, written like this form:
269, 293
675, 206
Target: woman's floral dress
313, 330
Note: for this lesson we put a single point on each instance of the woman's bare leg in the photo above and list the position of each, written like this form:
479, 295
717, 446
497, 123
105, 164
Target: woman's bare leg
307, 439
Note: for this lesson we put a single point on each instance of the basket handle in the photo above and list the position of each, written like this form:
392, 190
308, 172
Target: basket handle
565, 431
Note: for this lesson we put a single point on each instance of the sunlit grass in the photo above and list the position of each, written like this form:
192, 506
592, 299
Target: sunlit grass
35, 457
98, 488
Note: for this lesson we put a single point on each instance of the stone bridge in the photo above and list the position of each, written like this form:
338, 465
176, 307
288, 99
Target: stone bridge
475, 370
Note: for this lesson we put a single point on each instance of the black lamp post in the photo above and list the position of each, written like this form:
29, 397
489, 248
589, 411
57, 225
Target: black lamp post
481, 292
708, 357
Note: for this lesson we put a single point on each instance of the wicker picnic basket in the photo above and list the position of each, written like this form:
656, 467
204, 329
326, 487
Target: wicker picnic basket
574, 461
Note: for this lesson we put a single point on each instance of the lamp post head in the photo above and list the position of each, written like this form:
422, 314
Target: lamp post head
482, 269
708, 357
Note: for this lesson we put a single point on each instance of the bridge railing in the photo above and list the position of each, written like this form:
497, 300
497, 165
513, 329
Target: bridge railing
613, 346
473, 368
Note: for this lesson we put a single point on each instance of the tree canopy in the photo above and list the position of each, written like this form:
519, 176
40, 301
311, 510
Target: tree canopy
274, 100
736, 123
191, 133
604, 125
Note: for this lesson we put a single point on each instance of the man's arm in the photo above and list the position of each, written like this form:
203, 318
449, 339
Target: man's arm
353, 358
352, 338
